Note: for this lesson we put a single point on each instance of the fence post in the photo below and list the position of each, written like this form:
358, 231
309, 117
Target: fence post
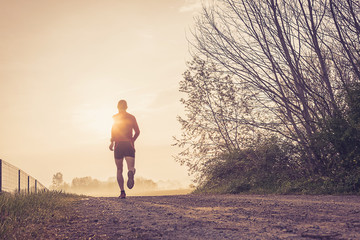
0, 175
19, 180
35, 186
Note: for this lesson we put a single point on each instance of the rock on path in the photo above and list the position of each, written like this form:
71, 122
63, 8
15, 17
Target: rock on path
213, 217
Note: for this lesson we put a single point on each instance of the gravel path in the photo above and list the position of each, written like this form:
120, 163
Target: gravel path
213, 217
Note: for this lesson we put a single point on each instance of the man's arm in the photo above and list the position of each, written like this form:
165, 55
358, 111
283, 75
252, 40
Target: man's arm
111, 146
136, 129
112, 142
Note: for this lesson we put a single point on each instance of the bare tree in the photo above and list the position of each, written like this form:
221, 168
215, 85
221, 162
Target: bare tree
282, 51
345, 35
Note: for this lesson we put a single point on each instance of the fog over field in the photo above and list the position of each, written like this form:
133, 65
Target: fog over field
109, 188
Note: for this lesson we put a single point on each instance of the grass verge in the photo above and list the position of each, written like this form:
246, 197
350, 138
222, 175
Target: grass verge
24, 216
309, 186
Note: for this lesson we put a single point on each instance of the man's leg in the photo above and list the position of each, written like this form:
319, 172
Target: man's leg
119, 176
130, 161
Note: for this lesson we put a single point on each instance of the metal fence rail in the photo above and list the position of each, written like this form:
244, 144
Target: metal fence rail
13, 179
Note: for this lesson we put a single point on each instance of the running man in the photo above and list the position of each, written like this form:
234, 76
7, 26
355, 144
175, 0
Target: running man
123, 139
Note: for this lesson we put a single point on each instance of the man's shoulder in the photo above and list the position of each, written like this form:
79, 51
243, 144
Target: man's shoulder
124, 115
117, 116
130, 116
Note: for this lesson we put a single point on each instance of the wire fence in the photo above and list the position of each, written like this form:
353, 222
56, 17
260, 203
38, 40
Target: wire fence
13, 179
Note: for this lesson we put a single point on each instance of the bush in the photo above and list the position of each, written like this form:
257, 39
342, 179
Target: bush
338, 145
279, 167
260, 169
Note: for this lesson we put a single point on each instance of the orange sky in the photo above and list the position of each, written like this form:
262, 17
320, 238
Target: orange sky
65, 64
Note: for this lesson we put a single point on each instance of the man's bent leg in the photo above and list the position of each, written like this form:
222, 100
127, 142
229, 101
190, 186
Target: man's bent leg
119, 176
130, 161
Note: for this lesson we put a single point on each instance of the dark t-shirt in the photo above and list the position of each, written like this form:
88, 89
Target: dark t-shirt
122, 129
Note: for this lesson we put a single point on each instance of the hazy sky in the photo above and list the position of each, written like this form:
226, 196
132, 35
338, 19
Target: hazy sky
64, 64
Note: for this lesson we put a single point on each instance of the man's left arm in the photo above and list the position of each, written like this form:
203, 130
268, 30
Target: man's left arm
136, 130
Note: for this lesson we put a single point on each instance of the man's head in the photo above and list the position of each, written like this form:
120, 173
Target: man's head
122, 105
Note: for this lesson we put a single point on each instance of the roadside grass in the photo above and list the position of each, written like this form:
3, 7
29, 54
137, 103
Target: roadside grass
22, 215
311, 186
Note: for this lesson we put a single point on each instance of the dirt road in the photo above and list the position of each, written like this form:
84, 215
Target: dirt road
213, 217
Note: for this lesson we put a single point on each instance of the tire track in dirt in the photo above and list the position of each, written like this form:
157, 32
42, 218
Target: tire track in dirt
213, 217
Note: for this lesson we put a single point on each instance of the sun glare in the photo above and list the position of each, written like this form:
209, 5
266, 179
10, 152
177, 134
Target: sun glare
94, 120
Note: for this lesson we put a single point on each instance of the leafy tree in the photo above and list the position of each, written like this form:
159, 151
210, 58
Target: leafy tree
85, 182
57, 180
217, 113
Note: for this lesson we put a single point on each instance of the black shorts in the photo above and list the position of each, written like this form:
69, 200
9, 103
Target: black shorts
123, 149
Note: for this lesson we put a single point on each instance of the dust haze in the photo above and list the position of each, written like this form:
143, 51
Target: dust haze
109, 188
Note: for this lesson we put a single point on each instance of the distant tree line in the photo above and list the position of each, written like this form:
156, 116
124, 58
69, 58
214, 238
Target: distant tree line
272, 96
88, 185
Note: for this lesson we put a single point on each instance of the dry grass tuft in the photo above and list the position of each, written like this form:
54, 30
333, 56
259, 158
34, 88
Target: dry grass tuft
24, 216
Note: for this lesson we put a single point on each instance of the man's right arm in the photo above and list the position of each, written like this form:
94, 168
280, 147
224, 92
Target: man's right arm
111, 146
112, 142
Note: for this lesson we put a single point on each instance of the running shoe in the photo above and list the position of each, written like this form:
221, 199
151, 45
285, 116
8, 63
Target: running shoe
130, 182
122, 195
